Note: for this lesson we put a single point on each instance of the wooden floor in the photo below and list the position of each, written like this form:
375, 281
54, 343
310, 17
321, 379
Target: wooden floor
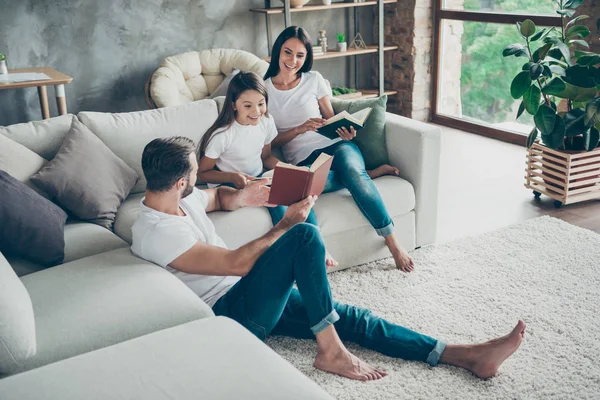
482, 189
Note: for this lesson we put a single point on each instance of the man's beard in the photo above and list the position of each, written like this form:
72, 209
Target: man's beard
187, 191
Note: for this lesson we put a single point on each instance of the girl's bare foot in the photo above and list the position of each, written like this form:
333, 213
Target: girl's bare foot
403, 260
384, 169
330, 261
487, 357
346, 364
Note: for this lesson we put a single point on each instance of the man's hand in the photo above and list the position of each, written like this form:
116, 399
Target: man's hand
297, 212
256, 193
240, 180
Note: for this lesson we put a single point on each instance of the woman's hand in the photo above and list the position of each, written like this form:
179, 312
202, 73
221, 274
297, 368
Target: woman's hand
311, 125
240, 180
346, 134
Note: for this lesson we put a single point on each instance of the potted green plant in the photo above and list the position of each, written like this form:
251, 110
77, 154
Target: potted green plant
342, 46
3, 67
559, 85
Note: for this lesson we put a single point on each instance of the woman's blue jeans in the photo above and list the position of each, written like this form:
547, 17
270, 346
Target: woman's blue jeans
266, 302
348, 171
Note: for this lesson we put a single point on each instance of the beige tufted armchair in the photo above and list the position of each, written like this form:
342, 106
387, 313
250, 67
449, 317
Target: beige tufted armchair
192, 76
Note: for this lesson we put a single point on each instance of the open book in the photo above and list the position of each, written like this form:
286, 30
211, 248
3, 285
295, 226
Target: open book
291, 184
357, 120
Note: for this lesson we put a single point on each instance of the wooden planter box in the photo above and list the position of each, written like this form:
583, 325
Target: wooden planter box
567, 178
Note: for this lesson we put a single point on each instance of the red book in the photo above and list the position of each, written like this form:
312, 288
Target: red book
291, 183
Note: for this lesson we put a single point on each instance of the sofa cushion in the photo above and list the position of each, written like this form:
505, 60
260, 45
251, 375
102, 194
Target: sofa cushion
86, 177
104, 299
236, 228
42, 137
19, 161
31, 225
221, 90
17, 324
213, 358
337, 212
82, 239
126, 134
371, 138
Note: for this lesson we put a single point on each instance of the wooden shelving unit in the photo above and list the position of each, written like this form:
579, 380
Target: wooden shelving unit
378, 49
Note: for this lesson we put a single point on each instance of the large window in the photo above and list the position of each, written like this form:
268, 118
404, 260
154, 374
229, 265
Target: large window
472, 79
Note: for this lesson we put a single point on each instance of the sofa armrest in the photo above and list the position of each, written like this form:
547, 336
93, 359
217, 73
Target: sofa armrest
414, 148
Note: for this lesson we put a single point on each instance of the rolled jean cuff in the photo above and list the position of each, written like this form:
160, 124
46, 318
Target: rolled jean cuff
434, 357
386, 230
330, 319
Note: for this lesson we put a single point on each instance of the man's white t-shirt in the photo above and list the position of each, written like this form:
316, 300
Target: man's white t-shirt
161, 238
292, 108
239, 147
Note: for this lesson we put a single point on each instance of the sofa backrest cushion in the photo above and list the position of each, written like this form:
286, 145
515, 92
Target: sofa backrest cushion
42, 137
30, 225
86, 178
17, 323
126, 134
20, 162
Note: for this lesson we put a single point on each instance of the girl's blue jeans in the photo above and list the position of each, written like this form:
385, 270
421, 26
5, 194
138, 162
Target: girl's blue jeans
348, 171
266, 302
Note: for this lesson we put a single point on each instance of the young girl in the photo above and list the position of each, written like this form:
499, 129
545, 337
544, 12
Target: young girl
238, 144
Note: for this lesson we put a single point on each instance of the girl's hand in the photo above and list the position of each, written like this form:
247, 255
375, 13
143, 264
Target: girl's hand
312, 125
240, 180
346, 134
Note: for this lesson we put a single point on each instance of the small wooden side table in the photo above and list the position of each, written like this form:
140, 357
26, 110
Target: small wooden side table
57, 79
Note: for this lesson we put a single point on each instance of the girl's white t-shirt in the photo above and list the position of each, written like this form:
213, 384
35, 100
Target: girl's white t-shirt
239, 147
293, 107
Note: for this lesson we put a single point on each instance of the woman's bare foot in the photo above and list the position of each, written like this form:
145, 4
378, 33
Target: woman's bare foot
384, 169
346, 364
403, 260
487, 357
330, 261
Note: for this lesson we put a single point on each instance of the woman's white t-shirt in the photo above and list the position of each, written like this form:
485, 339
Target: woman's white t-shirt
239, 147
293, 107
161, 238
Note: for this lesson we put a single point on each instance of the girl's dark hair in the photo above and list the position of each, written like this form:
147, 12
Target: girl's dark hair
288, 33
241, 82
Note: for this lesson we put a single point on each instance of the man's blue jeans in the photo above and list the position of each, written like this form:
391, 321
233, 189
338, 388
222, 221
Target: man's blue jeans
348, 171
266, 302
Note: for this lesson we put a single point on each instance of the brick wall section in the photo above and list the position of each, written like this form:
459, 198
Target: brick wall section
591, 8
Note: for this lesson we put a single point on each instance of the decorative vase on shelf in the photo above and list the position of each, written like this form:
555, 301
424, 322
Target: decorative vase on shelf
326, 2
3, 67
298, 3
342, 47
322, 40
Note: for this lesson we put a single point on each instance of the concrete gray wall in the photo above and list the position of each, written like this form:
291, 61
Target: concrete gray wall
110, 47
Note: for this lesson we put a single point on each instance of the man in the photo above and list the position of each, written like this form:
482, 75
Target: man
254, 284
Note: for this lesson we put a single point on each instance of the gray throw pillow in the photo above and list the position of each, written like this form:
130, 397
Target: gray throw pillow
86, 177
371, 138
31, 226
17, 323
221, 90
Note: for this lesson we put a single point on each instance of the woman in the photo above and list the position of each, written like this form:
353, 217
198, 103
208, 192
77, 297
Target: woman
300, 104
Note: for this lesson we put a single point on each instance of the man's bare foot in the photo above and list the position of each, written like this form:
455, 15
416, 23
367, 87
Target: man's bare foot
487, 357
348, 365
330, 261
384, 169
403, 260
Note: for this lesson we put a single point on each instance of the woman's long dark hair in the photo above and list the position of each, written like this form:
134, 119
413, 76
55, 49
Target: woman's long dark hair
288, 33
239, 84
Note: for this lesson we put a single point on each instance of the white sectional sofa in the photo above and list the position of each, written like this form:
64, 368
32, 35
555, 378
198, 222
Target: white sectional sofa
107, 322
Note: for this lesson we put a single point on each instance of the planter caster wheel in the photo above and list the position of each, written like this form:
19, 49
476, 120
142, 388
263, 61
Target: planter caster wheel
558, 204
537, 194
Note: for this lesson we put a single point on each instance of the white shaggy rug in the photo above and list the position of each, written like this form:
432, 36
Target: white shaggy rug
544, 271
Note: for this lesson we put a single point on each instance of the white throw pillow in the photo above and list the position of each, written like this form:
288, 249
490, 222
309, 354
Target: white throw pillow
221, 90
17, 324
